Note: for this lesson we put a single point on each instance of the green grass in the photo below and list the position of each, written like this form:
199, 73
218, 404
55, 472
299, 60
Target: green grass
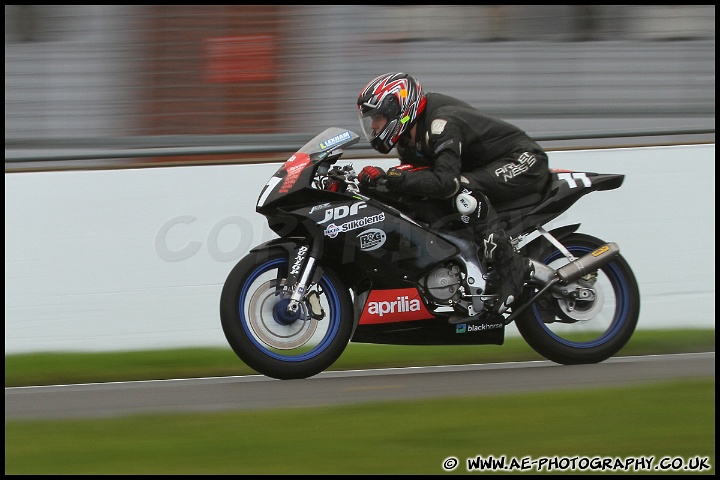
63, 368
674, 419
669, 419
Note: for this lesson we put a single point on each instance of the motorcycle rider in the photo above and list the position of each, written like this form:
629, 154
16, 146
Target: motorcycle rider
450, 151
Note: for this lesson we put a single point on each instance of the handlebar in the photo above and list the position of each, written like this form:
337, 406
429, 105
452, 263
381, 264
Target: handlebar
341, 178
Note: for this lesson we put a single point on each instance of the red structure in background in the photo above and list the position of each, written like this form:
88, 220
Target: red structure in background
239, 59
211, 70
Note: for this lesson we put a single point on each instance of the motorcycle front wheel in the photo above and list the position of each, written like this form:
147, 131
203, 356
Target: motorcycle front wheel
265, 337
572, 332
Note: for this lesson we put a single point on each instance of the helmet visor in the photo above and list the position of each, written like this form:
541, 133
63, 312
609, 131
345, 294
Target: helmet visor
372, 125
376, 119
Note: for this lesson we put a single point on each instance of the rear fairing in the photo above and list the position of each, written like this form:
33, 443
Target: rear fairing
565, 188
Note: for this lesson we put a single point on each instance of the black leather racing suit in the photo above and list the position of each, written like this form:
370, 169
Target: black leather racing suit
469, 152
453, 139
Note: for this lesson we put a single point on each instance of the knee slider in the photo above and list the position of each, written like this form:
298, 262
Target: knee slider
470, 206
465, 203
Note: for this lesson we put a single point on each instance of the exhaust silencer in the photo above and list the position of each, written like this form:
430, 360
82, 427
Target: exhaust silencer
588, 263
572, 271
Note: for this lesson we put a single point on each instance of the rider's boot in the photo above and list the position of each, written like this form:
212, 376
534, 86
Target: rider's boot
511, 269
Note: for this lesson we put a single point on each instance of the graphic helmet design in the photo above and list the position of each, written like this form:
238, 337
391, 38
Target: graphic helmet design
397, 97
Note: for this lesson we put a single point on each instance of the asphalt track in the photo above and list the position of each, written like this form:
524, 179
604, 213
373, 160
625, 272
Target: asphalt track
342, 387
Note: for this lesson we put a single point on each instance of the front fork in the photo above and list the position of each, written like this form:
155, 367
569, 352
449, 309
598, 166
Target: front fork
301, 285
302, 272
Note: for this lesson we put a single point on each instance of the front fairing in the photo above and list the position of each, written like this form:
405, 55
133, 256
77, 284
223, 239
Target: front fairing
373, 240
357, 233
299, 171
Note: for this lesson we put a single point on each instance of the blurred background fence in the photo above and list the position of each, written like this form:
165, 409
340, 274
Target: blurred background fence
97, 74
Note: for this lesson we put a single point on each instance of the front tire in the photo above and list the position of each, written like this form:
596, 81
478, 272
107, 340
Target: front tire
585, 331
262, 336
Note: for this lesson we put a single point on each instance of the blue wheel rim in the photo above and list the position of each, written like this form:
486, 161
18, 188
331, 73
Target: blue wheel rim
331, 294
622, 306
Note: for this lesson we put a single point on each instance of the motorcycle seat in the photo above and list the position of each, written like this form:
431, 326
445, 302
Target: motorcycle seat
522, 202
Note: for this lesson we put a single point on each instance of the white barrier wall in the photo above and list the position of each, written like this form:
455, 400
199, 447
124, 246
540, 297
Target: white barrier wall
136, 259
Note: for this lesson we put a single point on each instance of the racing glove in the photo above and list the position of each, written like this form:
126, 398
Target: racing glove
369, 176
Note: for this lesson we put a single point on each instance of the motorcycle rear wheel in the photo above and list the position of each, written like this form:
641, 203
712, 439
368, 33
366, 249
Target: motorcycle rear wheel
587, 331
271, 343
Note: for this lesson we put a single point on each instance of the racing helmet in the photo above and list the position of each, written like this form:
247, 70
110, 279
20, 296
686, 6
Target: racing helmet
396, 96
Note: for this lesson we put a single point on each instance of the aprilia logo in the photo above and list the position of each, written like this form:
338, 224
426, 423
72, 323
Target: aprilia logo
400, 305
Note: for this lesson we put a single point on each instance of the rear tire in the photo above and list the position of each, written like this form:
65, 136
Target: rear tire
589, 332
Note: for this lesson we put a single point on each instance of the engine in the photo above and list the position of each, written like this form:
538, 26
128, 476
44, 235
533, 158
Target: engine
444, 284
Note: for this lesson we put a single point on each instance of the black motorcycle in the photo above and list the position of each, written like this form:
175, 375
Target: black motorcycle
348, 266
